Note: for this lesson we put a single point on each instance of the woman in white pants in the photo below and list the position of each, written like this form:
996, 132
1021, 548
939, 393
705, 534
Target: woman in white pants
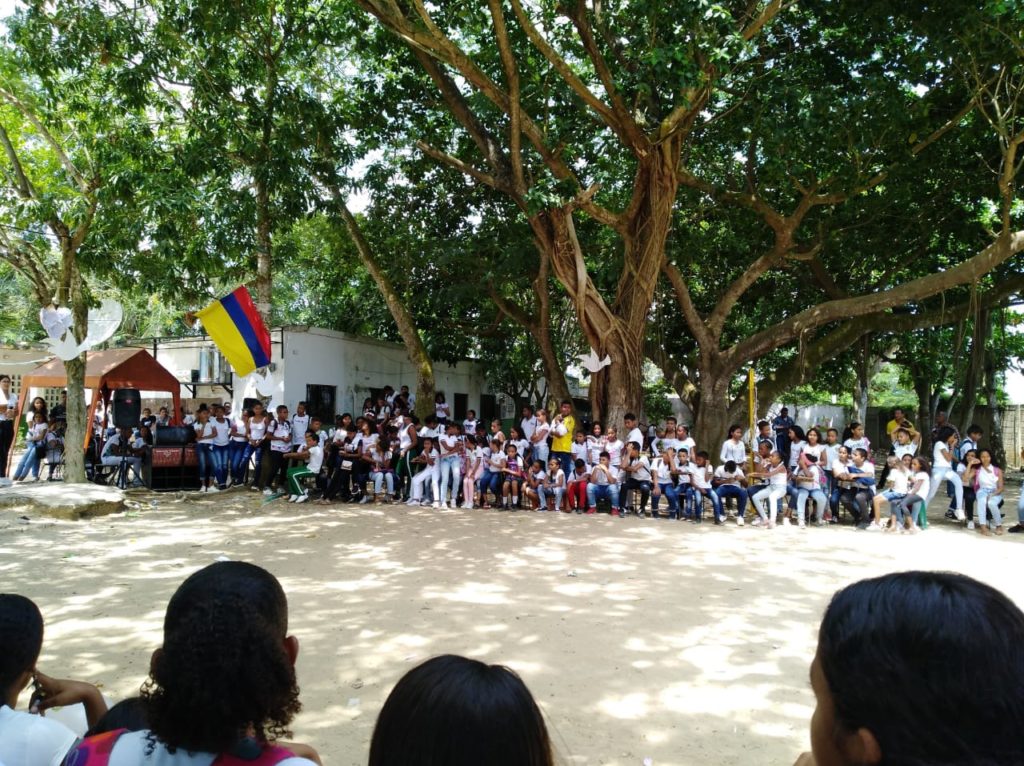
430, 461
766, 501
988, 490
943, 471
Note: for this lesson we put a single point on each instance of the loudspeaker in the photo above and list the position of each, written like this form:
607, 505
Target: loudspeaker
173, 435
126, 407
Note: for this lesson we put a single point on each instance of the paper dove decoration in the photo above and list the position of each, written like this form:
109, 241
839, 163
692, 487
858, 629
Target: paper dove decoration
56, 321
591, 363
102, 324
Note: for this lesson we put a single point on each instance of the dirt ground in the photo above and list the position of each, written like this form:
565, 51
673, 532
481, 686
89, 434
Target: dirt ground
643, 641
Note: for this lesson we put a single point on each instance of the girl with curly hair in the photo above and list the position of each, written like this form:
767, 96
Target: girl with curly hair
222, 687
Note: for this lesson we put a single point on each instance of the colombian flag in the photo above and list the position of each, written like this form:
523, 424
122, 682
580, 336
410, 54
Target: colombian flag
236, 327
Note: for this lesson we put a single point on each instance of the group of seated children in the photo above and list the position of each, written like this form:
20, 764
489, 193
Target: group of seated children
222, 687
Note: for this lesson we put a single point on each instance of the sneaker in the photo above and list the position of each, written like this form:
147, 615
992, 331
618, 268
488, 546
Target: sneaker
863, 525
873, 527
292, 498
960, 514
254, 488
212, 488
757, 522
268, 492
615, 512
444, 506
412, 502
984, 530
785, 521
591, 511
364, 501
820, 523
1016, 529
950, 514
227, 484
970, 525
739, 521
202, 489
801, 525
302, 498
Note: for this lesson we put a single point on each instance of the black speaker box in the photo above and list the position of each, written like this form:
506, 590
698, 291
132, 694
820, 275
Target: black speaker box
172, 436
126, 407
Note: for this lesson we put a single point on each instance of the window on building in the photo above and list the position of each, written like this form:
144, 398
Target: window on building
321, 402
488, 407
461, 404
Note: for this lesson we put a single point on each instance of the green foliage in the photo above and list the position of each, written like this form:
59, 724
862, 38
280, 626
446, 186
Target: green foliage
657, 405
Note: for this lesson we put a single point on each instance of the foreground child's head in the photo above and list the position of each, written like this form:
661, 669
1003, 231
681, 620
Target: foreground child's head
460, 712
226, 670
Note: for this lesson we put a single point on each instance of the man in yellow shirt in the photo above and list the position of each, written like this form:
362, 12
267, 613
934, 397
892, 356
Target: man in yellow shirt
899, 420
562, 427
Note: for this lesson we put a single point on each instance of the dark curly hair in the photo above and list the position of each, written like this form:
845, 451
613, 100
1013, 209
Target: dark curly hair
223, 671
21, 637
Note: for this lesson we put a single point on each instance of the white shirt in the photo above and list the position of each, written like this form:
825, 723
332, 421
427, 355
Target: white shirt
940, 460
204, 430
643, 472
795, 450
300, 424
987, 478
809, 477
132, 749
449, 445
727, 477
688, 444
636, 435
441, 410
580, 452
557, 479
817, 450
528, 426
257, 428
221, 431
862, 443
543, 429
277, 428
900, 481
699, 476
926, 483
32, 740
316, 458
735, 451
776, 479
595, 446
240, 430
469, 426
831, 456
899, 450
614, 450
662, 470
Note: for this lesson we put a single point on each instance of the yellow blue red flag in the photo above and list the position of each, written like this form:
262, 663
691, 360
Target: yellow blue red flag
236, 328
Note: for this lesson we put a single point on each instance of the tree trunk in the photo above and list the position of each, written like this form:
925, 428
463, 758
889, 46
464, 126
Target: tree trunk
554, 373
975, 367
399, 312
712, 416
996, 436
264, 251
618, 331
74, 437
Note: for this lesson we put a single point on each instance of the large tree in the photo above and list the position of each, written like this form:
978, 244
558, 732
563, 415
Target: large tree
625, 115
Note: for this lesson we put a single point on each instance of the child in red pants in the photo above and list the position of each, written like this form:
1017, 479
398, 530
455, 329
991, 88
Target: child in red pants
576, 491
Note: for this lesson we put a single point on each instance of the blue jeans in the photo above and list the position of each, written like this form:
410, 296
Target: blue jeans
820, 502
220, 463
597, 492
731, 490
540, 452
671, 495
29, 462
988, 500
716, 502
451, 468
204, 456
238, 456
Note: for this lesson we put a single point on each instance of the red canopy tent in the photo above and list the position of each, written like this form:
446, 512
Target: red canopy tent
104, 372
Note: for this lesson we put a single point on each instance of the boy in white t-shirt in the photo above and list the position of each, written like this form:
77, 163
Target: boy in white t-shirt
313, 454
26, 738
